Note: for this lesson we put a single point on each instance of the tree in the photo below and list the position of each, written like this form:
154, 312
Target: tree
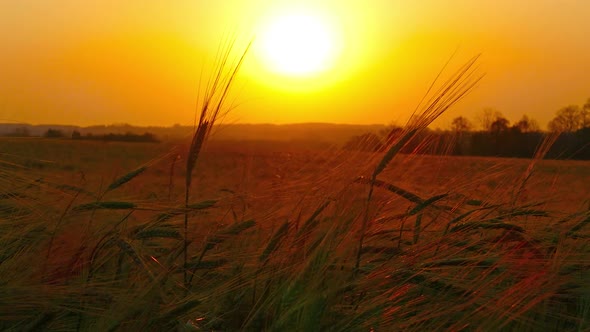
76, 135
526, 125
499, 125
53, 133
461, 124
586, 114
487, 117
567, 119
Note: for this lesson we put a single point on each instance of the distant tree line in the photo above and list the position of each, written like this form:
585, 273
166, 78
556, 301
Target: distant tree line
496, 138
76, 135
127, 137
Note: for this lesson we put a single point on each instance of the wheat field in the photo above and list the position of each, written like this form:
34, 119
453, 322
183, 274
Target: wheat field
93, 239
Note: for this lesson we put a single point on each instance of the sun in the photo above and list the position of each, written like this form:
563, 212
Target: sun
298, 44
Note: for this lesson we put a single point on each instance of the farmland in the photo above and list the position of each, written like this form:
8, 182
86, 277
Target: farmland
453, 242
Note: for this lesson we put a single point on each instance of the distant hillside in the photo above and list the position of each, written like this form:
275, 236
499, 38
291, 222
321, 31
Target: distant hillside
318, 132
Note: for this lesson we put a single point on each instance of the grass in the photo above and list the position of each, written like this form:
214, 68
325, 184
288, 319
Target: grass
340, 241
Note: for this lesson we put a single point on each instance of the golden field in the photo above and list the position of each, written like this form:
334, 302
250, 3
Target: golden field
459, 243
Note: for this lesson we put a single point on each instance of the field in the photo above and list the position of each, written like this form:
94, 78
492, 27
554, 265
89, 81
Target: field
280, 238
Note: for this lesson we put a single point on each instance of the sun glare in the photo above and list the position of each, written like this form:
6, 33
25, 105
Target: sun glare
298, 45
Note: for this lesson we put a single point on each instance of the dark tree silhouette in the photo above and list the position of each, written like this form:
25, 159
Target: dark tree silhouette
461, 124
499, 125
586, 114
526, 125
487, 117
567, 119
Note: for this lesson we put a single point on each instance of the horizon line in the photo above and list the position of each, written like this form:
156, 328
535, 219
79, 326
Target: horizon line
122, 124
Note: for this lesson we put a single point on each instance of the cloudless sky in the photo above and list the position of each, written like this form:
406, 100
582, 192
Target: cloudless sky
139, 62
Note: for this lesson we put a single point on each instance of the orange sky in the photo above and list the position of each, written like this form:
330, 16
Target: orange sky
136, 61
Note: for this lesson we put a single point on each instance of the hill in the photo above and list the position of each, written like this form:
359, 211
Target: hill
317, 132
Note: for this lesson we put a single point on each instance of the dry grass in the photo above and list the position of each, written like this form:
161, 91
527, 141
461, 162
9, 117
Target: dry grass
209, 112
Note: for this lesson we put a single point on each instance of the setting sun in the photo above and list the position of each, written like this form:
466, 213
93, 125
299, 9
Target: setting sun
310, 61
299, 44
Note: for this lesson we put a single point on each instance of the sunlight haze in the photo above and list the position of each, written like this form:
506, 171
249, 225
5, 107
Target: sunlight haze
140, 62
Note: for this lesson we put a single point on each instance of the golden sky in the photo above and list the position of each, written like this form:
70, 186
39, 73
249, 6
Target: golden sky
137, 61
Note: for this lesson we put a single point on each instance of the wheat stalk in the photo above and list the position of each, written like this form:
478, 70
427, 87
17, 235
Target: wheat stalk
210, 109
448, 94
126, 178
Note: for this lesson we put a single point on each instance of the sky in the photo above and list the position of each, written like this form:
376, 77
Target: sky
146, 62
